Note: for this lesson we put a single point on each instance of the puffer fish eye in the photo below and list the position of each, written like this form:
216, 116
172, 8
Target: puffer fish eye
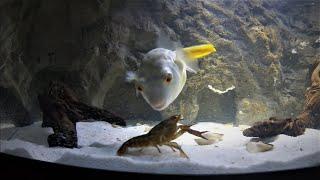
168, 78
140, 88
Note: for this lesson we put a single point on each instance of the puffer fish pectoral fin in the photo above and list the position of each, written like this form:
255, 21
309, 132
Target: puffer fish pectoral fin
192, 65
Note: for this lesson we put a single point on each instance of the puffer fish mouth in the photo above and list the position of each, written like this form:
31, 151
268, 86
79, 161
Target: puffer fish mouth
159, 107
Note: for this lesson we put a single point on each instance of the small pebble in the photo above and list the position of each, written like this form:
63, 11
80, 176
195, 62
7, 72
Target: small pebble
147, 128
115, 126
243, 127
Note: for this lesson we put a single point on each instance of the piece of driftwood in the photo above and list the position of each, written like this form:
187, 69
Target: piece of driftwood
308, 118
61, 110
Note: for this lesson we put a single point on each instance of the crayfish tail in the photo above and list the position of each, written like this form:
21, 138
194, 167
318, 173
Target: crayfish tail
122, 150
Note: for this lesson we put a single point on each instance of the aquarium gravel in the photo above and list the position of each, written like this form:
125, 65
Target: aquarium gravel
99, 141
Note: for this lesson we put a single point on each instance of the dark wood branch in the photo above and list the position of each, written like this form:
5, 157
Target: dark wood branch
62, 110
308, 118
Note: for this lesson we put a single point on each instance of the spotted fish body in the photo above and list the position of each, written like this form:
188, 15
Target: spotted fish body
162, 73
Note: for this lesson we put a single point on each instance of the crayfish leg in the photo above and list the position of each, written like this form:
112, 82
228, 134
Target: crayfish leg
157, 148
172, 149
176, 145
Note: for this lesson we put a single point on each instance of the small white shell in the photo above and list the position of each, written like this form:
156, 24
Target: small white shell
147, 128
212, 138
255, 147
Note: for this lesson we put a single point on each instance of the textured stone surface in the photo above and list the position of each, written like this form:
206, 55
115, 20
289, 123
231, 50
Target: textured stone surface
264, 49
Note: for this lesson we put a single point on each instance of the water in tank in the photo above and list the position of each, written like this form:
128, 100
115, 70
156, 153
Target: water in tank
163, 87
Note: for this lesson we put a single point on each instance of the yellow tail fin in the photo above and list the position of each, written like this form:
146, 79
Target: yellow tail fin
199, 51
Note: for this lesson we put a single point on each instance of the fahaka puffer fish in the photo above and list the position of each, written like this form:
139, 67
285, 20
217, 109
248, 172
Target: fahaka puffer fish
162, 73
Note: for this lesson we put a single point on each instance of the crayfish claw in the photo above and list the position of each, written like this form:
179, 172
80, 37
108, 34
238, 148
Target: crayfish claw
197, 133
202, 135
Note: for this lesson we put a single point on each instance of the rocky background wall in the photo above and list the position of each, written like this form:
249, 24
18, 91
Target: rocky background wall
264, 49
